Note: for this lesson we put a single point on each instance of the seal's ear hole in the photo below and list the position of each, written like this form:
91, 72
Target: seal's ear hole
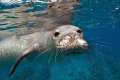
79, 31
56, 34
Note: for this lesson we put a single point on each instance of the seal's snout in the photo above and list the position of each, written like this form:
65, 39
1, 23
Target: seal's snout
81, 43
77, 41
73, 41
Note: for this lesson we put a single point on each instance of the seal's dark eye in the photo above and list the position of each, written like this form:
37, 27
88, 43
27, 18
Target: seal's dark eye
79, 31
56, 34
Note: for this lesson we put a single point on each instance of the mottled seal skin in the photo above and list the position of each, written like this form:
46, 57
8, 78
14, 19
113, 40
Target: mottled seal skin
43, 46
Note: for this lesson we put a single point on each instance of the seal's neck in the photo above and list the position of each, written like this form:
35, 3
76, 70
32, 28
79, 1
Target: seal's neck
46, 40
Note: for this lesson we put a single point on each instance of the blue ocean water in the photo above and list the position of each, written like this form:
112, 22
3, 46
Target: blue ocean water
100, 22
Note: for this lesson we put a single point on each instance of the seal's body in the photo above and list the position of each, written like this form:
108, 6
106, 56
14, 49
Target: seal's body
14, 46
43, 46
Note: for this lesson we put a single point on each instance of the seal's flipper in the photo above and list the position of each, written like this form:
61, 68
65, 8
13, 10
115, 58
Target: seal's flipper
27, 52
16, 63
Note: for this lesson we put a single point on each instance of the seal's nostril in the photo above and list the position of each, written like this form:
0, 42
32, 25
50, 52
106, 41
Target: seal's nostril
72, 36
67, 37
77, 37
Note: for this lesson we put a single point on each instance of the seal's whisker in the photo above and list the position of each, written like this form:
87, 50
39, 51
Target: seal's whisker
64, 53
98, 41
101, 59
94, 38
99, 45
42, 53
45, 58
91, 55
100, 56
96, 50
50, 57
58, 56
56, 53
85, 47
94, 53
88, 55
103, 42
62, 56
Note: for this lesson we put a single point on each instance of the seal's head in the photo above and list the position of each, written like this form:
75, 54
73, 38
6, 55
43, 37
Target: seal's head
69, 39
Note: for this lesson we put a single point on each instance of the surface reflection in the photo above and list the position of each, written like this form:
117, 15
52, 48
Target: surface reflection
30, 17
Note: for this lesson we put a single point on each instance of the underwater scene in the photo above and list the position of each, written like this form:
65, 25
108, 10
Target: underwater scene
99, 21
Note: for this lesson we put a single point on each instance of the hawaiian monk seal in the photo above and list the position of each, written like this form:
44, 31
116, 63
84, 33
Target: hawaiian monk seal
43, 45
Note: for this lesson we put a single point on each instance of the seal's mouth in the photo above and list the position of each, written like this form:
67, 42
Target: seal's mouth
75, 52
